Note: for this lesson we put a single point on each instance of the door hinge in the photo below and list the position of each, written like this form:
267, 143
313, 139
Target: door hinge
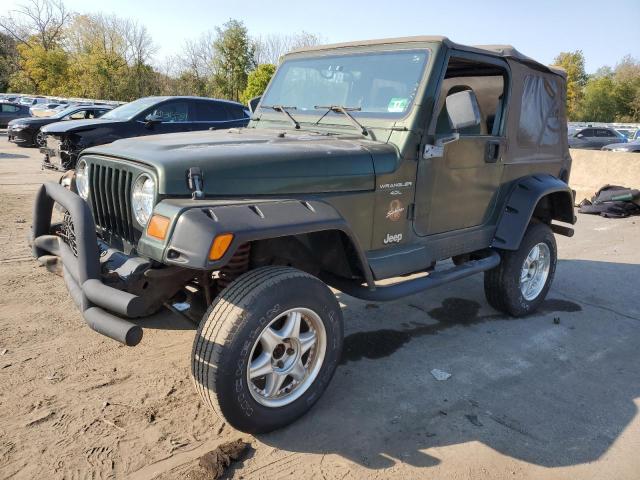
411, 211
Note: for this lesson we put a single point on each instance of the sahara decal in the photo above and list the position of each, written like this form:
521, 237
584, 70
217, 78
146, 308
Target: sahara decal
387, 186
395, 238
395, 210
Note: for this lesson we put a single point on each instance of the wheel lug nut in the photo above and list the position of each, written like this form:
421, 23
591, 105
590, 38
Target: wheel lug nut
280, 364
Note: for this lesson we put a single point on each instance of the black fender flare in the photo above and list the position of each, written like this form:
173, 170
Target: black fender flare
197, 227
521, 203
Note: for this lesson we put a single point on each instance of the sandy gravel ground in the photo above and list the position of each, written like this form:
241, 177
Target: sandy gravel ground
530, 398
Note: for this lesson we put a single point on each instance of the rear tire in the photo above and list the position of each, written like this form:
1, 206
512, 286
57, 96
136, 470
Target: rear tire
251, 364
520, 283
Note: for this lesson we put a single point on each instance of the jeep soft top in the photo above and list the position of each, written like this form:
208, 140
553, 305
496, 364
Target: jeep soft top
362, 161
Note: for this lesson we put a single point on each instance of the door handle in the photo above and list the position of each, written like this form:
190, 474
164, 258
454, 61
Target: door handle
492, 151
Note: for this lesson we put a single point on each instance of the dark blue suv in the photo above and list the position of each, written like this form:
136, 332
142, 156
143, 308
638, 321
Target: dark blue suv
145, 116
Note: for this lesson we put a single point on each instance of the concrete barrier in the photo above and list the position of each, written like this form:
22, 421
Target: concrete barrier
592, 169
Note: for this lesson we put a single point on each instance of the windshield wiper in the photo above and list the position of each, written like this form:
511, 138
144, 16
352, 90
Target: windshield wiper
345, 111
284, 109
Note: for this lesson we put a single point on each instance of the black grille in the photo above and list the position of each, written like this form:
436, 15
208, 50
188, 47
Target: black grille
66, 231
111, 200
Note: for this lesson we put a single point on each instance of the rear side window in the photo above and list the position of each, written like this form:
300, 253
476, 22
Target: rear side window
236, 112
10, 108
603, 132
212, 112
539, 112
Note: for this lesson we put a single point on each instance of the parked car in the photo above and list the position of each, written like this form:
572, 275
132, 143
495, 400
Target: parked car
594, 138
633, 146
145, 116
43, 109
363, 162
30, 101
10, 98
26, 131
11, 111
628, 133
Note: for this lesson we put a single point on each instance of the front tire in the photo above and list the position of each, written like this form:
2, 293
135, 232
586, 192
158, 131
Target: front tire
39, 140
267, 348
520, 283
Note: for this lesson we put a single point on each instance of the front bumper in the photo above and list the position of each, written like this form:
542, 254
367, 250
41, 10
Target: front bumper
19, 136
81, 269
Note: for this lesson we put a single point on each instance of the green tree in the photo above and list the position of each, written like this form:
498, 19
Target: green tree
257, 81
233, 59
8, 60
42, 70
599, 103
573, 64
626, 78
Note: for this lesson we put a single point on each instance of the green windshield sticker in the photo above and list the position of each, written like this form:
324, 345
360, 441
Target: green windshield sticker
398, 104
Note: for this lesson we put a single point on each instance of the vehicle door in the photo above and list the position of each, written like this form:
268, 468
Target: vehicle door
585, 139
170, 117
459, 171
9, 112
604, 136
213, 115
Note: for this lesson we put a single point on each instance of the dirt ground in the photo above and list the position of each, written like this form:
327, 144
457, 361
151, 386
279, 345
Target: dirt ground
551, 396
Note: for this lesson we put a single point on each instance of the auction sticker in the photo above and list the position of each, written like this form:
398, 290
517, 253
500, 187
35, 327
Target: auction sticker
398, 104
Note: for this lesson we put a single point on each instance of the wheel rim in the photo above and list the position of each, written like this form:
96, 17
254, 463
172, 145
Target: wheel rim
287, 357
40, 139
535, 271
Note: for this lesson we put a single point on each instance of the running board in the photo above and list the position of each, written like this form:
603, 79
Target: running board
387, 293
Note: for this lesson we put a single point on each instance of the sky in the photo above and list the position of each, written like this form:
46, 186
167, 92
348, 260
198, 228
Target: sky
604, 31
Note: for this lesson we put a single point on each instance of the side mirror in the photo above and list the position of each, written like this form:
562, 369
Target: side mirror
463, 109
151, 120
253, 103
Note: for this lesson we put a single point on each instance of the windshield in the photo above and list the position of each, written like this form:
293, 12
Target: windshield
130, 110
378, 84
64, 112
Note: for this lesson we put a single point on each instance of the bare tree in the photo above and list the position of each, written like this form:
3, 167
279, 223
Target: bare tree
198, 54
44, 19
140, 47
270, 48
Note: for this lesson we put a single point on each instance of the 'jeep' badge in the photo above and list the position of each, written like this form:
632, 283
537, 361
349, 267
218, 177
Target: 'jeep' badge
395, 210
396, 238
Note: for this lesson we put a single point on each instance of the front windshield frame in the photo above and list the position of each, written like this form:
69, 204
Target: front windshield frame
309, 116
136, 107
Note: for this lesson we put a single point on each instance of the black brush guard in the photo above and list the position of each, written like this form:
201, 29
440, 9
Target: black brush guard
82, 271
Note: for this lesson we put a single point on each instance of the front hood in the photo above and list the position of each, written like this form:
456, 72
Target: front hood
252, 161
69, 126
623, 146
33, 121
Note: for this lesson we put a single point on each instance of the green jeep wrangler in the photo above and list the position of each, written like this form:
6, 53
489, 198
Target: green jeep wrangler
362, 162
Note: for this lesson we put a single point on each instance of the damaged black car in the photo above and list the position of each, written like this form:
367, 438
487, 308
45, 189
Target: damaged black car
63, 141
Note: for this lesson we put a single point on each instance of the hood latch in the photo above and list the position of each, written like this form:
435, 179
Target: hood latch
195, 182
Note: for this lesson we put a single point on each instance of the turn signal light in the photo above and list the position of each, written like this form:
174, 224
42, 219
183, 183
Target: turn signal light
158, 227
220, 245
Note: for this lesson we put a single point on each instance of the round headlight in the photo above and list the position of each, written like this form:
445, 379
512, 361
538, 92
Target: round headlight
82, 179
142, 197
